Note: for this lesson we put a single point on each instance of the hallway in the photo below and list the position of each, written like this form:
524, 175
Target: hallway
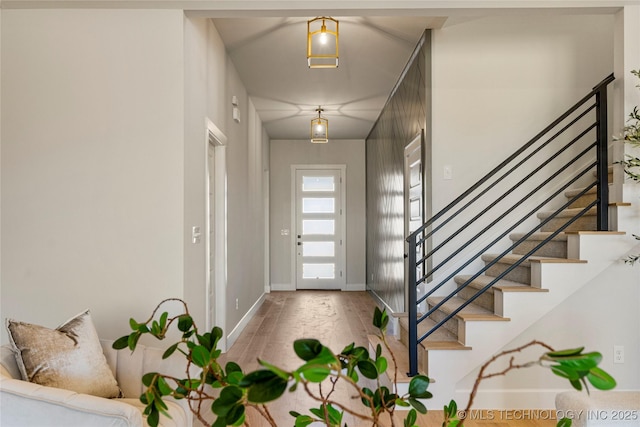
336, 319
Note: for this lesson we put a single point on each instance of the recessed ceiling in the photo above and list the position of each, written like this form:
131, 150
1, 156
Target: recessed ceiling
270, 57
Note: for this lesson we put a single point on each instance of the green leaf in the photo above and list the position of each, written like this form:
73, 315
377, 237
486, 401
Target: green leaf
348, 349
235, 414
229, 397
452, 409
335, 416
314, 373
168, 352
307, 349
279, 372
576, 384
565, 372
153, 419
267, 391
564, 422
402, 402
565, 353
318, 412
200, 356
232, 367
378, 351
411, 418
120, 343
240, 421
147, 378
235, 377
163, 387
418, 387
133, 324
205, 340
185, 322
163, 320
381, 365
132, 341
303, 421
263, 386
368, 369
600, 379
418, 405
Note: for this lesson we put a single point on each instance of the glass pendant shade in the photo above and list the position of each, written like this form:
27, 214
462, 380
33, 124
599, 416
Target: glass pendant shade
319, 129
322, 43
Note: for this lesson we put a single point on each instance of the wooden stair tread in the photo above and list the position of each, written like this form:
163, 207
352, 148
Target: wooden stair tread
587, 232
513, 258
569, 194
502, 284
400, 352
567, 213
539, 236
441, 335
441, 339
470, 312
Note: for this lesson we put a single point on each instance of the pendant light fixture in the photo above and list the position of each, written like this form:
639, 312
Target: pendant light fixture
322, 42
319, 128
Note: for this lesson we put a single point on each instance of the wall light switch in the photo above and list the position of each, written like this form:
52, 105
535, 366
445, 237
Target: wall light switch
195, 235
448, 172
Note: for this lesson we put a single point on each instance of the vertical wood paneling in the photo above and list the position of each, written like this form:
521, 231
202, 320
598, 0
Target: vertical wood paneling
402, 118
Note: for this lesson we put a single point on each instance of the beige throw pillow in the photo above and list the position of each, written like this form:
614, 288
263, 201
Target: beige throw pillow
68, 357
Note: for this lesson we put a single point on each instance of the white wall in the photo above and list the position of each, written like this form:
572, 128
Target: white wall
285, 153
196, 80
498, 81
92, 164
210, 82
602, 314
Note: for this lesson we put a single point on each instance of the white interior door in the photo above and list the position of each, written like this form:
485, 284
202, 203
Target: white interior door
319, 230
413, 196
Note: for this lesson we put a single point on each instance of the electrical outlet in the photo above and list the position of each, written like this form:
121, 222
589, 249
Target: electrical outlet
237, 304
618, 354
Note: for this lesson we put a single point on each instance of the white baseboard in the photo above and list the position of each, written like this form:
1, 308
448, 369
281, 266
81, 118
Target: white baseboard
357, 287
510, 399
282, 287
235, 333
380, 301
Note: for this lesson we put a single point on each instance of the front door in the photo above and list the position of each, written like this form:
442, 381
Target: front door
319, 228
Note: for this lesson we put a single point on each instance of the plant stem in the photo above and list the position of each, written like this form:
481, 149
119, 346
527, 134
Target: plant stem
482, 376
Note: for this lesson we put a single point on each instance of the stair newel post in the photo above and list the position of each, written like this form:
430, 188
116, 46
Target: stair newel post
412, 309
602, 169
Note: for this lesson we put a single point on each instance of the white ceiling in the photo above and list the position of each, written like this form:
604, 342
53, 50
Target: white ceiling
270, 56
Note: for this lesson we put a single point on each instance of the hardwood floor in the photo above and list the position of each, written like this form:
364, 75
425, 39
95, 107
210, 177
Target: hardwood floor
336, 319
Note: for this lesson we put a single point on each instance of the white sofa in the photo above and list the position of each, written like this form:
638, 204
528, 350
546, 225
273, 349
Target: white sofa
25, 404
600, 408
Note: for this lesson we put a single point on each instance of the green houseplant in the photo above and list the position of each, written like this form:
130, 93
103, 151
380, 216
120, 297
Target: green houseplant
227, 391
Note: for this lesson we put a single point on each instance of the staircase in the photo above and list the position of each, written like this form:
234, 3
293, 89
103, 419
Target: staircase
491, 263
515, 301
489, 305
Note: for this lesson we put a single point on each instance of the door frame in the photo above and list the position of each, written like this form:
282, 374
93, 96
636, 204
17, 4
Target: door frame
416, 143
216, 285
343, 218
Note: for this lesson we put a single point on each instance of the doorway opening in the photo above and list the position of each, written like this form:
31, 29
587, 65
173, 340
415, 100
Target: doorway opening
216, 230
